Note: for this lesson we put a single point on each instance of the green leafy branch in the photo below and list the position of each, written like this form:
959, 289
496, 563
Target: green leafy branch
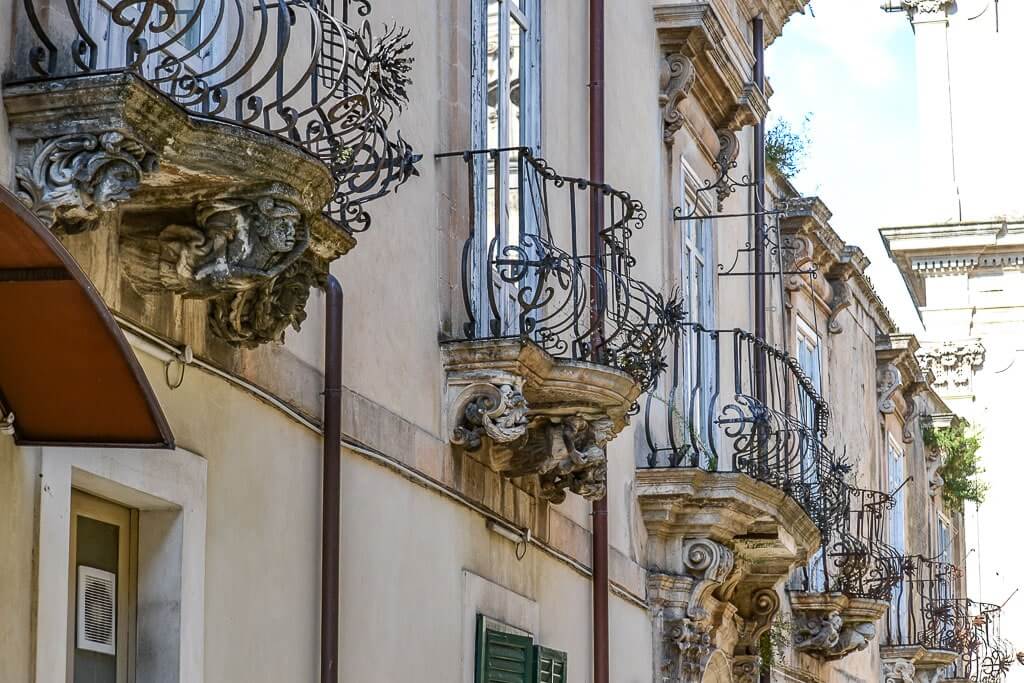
785, 148
961, 472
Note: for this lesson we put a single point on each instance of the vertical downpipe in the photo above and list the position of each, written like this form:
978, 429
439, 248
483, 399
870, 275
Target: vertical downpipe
599, 525
330, 545
760, 300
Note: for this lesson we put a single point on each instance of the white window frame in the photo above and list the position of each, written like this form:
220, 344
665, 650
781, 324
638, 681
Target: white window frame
897, 532
161, 484
527, 15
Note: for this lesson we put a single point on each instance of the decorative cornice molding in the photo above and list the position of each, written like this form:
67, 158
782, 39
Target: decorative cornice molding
720, 60
953, 364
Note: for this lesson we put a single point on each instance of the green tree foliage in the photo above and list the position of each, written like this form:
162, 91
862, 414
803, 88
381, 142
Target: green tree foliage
962, 469
785, 148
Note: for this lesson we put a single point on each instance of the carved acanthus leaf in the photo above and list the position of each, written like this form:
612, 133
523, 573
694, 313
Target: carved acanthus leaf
687, 649
70, 181
676, 79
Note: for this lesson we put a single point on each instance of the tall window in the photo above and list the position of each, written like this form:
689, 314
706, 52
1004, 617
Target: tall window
808, 355
895, 475
506, 114
697, 288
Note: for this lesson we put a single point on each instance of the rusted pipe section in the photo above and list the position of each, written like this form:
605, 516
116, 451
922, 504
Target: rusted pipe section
599, 525
331, 525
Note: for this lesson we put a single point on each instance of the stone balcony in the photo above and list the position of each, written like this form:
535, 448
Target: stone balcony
231, 183
719, 544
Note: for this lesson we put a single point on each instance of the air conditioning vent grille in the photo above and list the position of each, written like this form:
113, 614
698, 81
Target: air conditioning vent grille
97, 609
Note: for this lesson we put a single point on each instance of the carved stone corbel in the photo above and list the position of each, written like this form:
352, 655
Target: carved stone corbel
70, 181
685, 608
889, 382
797, 252
912, 413
830, 626
725, 161
263, 313
898, 671
523, 413
236, 242
842, 298
675, 80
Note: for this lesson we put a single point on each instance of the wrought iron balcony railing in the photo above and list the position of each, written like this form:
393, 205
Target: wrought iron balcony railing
311, 72
929, 610
731, 402
529, 269
855, 559
925, 606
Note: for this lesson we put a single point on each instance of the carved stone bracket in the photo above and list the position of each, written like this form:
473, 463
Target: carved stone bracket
935, 458
830, 626
728, 150
676, 79
523, 413
684, 606
897, 671
70, 181
842, 298
746, 669
890, 380
900, 379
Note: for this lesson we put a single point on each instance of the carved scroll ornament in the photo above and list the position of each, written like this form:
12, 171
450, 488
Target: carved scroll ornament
676, 79
71, 181
897, 671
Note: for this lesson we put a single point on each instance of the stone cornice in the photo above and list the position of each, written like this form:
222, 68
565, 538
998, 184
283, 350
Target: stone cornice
923, 251
809, 239
721, 60
775, 13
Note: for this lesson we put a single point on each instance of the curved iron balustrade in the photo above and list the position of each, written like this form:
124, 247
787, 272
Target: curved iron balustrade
297, 69
929, 610
731, 402
855, 560
528, 268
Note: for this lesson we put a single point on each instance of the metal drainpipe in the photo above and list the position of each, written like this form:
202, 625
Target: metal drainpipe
760, 300
330, 545
599, 526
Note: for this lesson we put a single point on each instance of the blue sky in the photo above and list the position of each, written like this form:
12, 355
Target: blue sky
851, 66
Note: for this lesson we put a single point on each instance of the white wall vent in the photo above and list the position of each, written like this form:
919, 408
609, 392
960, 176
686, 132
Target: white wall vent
97, 607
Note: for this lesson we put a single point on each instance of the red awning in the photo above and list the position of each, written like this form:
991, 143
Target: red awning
66, 370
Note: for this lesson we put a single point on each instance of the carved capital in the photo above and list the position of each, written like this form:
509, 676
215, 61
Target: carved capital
675, 80
686, 650
898, 671
70, 181
953, 364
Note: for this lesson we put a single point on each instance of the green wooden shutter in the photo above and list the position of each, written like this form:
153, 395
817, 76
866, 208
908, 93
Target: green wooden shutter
550, 665
503, 657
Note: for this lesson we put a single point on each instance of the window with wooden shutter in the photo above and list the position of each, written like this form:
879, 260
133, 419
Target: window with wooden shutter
502, 656
550, 665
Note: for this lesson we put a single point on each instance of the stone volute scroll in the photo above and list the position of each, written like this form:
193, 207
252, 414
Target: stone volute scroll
676, 80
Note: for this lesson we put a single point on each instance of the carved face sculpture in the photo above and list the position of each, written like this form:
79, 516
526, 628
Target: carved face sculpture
113, 183
277, 225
